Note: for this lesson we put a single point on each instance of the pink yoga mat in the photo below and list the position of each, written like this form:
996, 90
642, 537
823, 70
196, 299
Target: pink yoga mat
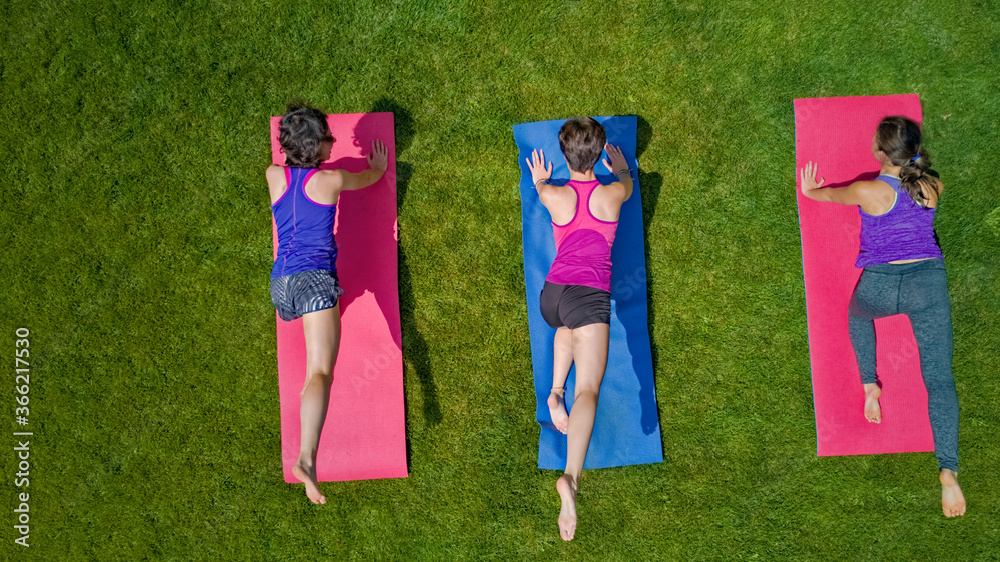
837, 134
364, 435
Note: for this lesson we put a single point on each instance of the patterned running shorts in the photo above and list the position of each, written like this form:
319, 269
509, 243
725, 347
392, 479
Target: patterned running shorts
304, 292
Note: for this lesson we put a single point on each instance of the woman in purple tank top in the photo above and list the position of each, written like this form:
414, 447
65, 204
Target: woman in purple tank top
576, 299
304, 281
903, 274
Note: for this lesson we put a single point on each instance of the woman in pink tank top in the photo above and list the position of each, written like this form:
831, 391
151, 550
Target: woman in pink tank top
576, 299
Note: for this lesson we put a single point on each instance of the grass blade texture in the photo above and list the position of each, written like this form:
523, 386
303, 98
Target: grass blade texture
137, 245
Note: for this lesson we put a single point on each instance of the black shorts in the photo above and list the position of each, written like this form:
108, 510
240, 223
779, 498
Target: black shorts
574, 306
304, 292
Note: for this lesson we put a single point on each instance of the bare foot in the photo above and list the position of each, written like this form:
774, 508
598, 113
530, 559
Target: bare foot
873, 412
557, 410
566, 486
952, 500
308, 477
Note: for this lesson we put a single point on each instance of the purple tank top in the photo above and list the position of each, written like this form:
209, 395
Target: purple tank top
305, 228
906, 232
583, 245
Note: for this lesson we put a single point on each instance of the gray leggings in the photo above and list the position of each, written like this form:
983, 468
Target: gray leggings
920, 291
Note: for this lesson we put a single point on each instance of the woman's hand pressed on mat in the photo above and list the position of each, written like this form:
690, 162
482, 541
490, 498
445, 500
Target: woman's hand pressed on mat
540, 170
617, 164
809, 182
378, 159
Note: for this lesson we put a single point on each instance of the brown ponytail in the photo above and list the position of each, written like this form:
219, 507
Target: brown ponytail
899, 138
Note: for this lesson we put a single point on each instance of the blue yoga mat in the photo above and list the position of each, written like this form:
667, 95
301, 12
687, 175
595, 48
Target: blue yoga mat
627, 429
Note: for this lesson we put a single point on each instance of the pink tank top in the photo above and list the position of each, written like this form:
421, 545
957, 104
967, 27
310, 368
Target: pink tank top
583, 246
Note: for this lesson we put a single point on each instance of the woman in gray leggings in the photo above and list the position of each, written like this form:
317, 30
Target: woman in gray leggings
903, 274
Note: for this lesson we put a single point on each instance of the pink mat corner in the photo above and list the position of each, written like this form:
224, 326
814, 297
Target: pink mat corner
837, 134
364, 434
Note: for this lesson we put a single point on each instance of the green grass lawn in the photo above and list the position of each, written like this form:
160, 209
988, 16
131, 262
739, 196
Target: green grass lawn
136, 247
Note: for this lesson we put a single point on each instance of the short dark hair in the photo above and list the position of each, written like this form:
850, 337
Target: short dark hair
899, 138
582, 141
301, 134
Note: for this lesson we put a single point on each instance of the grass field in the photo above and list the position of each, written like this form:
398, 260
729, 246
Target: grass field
136, 244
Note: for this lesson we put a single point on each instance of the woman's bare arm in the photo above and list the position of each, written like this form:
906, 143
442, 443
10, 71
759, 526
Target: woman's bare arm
869, 195
378, 161
619, 166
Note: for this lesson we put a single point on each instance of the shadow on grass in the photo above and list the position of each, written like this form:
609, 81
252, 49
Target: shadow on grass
414, 345
649, 191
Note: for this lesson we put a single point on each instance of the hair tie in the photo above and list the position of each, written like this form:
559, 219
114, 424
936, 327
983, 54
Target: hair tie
914, 159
